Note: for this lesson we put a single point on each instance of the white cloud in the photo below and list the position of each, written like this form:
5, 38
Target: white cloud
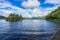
13, 9
48, 10
31, 4
38, 12
5, 12
52, 1
43, 11
35, 12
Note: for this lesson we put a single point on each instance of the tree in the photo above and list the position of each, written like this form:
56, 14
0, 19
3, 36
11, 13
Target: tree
14, 17
54, 14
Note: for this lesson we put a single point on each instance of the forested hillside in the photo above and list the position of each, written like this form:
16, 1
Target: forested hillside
54, 14
2, 17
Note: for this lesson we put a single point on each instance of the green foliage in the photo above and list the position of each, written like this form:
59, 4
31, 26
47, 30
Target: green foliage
54, 14
14, 17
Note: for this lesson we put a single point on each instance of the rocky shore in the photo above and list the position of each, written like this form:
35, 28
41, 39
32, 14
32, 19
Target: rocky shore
56, 36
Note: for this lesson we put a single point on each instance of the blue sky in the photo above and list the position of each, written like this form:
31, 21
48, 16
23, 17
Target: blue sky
18, 3
28, 8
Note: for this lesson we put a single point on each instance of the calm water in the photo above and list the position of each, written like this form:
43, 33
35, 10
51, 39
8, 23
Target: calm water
27, 30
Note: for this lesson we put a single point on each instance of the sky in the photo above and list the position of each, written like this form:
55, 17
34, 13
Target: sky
28, 8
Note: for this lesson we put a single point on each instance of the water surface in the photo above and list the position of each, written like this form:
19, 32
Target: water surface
27, 30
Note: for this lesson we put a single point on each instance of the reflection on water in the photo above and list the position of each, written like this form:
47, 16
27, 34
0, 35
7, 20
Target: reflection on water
27, 30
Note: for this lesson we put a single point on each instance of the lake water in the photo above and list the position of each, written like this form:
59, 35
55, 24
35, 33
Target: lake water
27, 30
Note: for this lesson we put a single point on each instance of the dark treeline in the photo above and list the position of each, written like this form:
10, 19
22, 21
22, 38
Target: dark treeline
54, 14
14, 17
2, 17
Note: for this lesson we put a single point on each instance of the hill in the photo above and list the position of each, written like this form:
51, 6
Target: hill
54, 14
2, 17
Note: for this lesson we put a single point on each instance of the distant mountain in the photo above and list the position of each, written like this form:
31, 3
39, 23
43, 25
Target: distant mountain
54, 14
2, 17
34, 18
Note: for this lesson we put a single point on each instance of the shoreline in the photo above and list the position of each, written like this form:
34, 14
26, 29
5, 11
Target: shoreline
56, 36
54, 20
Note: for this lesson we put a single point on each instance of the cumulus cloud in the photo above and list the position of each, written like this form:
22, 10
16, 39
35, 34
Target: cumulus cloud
35, 12
39, 12
31, 4
52, 1
5, 12
13, 9
48, 10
